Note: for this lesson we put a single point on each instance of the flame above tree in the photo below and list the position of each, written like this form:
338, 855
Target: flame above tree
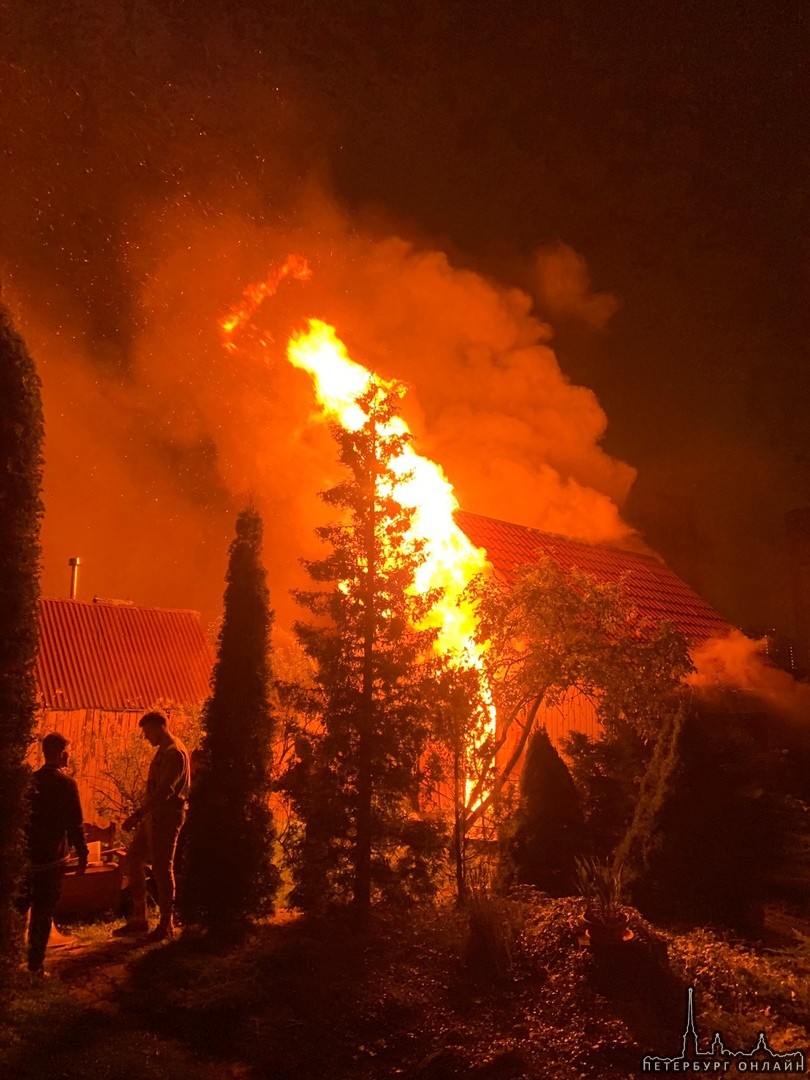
451, 561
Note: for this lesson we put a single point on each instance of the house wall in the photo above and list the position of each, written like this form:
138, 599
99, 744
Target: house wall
575, 712
95, 737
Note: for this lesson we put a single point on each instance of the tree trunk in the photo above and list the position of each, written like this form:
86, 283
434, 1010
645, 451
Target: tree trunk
365, 783
472, 815
459, 834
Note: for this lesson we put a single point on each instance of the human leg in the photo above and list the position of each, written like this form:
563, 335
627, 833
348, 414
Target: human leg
165, 830
45, 889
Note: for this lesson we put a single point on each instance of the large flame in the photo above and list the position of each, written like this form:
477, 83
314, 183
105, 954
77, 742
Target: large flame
450, 560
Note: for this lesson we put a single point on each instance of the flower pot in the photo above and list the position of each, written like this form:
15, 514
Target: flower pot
612, 931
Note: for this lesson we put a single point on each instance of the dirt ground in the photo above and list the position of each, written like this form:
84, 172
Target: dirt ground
411, 995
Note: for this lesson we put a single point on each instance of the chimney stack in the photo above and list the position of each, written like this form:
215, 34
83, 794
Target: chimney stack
74, 564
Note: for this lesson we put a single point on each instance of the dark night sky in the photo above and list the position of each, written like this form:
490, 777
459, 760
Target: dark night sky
666, 142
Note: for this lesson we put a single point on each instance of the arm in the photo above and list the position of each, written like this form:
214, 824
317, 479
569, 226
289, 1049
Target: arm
171, 773
73, 826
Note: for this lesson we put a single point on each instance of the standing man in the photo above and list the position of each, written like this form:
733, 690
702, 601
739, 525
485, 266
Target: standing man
157, 823
54, 826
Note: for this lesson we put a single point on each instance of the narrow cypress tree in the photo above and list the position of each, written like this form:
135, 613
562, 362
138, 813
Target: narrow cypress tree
21, 433
549, 831
228, 877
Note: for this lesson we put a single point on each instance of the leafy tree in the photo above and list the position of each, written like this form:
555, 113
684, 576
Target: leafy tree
553, 631
21, 434
356, 785
548, 832
227, 874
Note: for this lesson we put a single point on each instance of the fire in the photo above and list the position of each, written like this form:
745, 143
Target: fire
450, 559
295, 266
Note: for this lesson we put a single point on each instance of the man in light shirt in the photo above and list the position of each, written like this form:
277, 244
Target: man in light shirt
157, 823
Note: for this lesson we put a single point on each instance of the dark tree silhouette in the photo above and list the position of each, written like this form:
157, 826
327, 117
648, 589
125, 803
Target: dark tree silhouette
548, 832
228, 877
21, 434
362, 832
712, 832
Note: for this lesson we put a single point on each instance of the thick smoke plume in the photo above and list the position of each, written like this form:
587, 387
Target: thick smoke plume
154, 165
147, 465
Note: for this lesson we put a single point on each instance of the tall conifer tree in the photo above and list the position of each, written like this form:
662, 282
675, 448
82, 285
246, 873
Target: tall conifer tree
21, 434
228, 877
372, 664
549, 832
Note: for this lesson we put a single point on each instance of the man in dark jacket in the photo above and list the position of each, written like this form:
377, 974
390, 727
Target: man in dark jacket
55, 825
157, 824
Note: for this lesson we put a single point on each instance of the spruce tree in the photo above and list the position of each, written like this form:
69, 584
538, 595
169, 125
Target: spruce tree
548, 832
372, 663
228, 878
21, 434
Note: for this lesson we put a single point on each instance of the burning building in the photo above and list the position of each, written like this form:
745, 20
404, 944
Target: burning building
655, 591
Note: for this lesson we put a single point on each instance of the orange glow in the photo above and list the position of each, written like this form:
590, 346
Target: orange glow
450, 559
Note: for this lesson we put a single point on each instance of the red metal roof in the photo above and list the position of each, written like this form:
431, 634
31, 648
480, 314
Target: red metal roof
656, 591
120, 657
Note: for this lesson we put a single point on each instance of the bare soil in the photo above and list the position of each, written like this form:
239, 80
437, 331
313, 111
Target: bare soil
409, 995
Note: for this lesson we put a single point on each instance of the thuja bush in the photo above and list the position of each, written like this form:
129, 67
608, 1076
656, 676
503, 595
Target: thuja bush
713, 829
21, 433
227, 875
548, 832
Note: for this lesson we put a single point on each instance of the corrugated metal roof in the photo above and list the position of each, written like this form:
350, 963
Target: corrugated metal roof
120, 657
657, 592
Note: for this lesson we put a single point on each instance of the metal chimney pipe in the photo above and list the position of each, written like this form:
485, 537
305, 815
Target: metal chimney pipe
74, 565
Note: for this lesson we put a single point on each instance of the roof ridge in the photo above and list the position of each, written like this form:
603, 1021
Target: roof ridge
119, 605
597, 545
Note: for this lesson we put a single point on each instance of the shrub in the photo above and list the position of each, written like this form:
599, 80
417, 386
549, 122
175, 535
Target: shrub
548, 831
711, 833
21, 433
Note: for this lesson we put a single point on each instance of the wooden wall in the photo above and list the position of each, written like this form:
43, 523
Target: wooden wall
93, 733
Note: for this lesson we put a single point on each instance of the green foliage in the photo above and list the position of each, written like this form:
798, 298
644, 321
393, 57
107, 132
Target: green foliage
712, 834
21, 434
228, 877
607, 772
494, 929
555, 630
600, 883
356, 781
548, 831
